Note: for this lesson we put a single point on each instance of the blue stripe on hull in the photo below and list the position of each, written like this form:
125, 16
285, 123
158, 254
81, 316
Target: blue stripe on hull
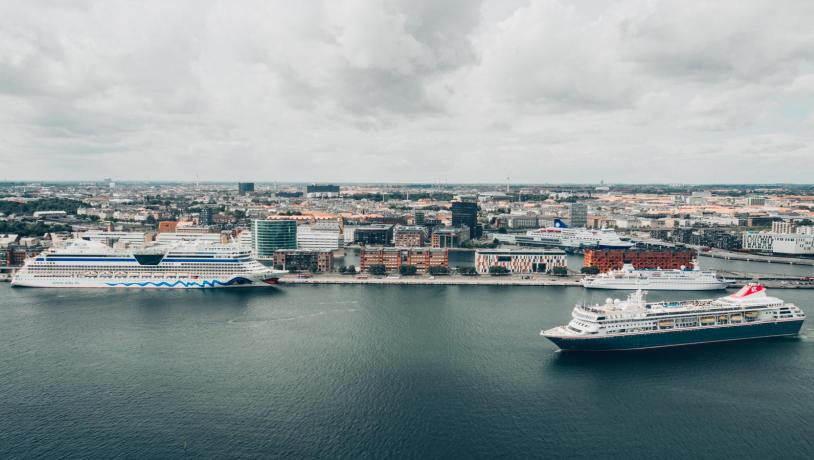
679, 338
184, 284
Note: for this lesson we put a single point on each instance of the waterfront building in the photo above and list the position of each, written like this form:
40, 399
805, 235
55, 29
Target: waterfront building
389, 257
614, 259
374, 235
270, 235
409, 236
304, 260
520, 260
799, 243
424, 258
465, 213
321, 191
578, 215
14, 255
244, 188
314, 238
394, 258
449, 237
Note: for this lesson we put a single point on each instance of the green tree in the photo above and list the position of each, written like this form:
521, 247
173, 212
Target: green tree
377, 270
468, 271
351, 269
589, 270
407, 270
559, 271
435, 271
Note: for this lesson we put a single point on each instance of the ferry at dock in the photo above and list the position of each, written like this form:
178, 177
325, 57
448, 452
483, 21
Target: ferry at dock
563, 236
635, 324
85, 264
657, 280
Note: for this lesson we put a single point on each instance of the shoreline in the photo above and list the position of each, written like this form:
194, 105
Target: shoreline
570, 281
446, 280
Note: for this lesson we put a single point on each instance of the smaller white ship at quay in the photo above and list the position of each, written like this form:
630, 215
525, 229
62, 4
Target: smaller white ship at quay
657, 280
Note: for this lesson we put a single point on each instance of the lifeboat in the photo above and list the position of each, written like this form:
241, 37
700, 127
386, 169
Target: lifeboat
707, 320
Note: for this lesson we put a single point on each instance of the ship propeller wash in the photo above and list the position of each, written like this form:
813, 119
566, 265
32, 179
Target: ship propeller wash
635, 324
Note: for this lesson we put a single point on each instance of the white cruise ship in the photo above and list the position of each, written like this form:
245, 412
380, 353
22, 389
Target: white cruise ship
635, 324
656, 280
83, 264
560, 235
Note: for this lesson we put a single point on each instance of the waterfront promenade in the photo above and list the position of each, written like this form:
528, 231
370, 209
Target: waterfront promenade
484, 280
514, 280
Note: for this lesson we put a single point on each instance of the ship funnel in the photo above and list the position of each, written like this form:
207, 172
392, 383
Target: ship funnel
751, 290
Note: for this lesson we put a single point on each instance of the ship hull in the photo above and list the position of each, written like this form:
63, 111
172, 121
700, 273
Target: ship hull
688, 286
153, 283
677, 338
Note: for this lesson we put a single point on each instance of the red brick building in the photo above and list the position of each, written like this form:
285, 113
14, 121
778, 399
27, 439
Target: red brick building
613, 259
389, 257
423, 259
394, 258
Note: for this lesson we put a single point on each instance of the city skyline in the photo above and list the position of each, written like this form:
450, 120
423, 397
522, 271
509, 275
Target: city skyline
404, 92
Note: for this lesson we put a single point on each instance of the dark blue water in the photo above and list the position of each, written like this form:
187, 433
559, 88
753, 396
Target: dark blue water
376, 372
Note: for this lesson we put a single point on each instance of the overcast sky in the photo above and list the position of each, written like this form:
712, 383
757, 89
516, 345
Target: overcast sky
412, 90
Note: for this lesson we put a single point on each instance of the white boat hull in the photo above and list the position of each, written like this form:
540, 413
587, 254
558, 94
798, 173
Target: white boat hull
143, 283
655, 286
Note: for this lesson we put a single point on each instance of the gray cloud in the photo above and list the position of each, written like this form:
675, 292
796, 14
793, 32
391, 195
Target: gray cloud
399, 90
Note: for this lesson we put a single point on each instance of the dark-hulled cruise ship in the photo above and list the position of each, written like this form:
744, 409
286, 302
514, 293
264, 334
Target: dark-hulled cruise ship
634, 324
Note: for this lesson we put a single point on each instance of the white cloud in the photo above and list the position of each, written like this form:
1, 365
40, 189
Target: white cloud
398, 90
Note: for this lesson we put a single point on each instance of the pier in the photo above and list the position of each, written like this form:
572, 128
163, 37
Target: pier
746, 257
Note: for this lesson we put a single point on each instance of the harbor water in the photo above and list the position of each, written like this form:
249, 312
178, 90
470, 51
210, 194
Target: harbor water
376, 372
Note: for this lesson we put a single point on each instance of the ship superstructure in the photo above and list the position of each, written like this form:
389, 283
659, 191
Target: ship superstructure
657, 279
80, 263
636, 324
560, 235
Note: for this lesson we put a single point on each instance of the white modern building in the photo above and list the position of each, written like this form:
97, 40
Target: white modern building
520, 260
799, 243
315, 239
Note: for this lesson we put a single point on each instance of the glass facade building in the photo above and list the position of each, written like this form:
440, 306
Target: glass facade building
466, 213
271, 235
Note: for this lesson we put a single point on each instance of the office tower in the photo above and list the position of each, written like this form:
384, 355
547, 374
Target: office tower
465, 213
244, 188
578, 215
271, 235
